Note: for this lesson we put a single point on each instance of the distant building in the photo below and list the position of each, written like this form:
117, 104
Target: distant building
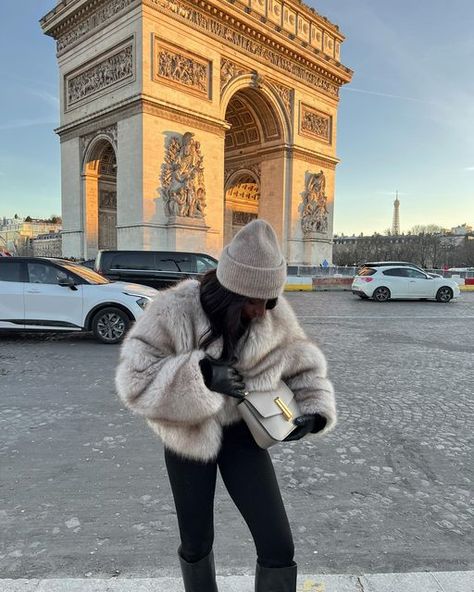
16, 234
396, 217
47, 245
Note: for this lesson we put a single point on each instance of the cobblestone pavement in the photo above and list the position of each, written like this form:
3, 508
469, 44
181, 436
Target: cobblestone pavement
84, 491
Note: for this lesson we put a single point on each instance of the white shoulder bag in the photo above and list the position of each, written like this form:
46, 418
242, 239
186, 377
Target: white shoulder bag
269, 414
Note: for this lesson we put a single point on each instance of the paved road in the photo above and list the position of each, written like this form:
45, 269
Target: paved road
84, 492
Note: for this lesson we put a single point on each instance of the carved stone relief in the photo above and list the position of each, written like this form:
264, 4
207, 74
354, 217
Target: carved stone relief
315, 210
115, 68
183, 68
182, 178
242, 218
314, 123
93, 21
254, 168
245, 43
110, 132
248, 192
285, 94
108, 200
229, 71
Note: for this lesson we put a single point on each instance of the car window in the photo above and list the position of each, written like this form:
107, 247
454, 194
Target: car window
89, 275
10, 271
141, 261
43, 273
204, 263
175, 262
398, 272
366, 271
413, 273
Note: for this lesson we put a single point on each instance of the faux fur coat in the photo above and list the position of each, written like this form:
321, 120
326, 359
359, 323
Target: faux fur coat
159, 376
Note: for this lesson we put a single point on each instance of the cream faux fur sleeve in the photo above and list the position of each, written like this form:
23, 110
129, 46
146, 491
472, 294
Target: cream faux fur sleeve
159, 378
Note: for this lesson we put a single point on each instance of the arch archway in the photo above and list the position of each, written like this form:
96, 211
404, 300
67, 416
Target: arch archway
255, 139
100, 196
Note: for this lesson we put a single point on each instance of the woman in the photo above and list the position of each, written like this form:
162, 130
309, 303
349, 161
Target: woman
187, 363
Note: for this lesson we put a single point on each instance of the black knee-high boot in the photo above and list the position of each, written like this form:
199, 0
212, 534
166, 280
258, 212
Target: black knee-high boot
275, 579
199, 576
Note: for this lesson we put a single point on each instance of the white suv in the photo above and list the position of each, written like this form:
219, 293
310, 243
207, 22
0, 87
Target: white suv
56, 295
389, 282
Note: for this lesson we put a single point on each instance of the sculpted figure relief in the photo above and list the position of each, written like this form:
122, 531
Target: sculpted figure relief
315, 211
182, 178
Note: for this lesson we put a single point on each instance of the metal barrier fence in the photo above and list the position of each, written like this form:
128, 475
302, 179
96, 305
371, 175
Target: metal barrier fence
338, 271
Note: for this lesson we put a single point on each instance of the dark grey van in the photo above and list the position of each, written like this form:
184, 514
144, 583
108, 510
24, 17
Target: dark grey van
158, 269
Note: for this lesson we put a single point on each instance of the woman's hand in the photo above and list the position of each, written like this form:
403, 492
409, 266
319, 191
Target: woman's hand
222, 378
306, 424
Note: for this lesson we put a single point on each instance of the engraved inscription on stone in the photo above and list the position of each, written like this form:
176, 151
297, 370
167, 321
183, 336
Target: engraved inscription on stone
116, 68
92, 22
182, 178
314, 123
242, 218
182, 68
315, 210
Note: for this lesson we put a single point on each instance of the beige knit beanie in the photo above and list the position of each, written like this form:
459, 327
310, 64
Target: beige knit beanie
252, 264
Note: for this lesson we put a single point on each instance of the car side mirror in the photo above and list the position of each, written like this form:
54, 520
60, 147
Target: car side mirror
67, 282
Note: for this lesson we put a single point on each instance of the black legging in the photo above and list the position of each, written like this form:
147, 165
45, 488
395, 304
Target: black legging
248, 474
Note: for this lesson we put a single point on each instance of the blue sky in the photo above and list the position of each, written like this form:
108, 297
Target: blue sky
406, 121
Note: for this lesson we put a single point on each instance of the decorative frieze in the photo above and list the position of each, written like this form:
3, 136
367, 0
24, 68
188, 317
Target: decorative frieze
315, 210
285, 95
116, 68
229, 71
183, 68
243, 192
182, 178
316, 124
244, 42
92, 22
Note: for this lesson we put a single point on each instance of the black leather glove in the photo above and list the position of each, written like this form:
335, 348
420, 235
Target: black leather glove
222, 378
306, 424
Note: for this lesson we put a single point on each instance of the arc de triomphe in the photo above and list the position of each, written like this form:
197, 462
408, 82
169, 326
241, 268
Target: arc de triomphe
181, 120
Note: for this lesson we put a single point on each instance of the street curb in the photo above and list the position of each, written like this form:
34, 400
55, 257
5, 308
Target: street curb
462, 581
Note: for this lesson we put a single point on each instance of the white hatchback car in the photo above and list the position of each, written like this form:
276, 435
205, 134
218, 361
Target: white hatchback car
390, 282
56, 295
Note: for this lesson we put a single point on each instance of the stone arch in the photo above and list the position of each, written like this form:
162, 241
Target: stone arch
100, 195
268, 96
259, 129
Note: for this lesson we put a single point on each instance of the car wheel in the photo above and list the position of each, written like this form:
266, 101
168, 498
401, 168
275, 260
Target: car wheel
444, 294
110, 325
381, 294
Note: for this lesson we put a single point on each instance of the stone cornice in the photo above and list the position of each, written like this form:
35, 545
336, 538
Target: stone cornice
299, 7
140, 104
317, 158
265, 47
88, 15
272, 152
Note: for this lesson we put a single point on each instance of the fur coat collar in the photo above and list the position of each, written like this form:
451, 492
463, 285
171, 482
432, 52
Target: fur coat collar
159, 376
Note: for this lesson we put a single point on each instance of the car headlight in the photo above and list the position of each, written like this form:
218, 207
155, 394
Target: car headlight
142, 302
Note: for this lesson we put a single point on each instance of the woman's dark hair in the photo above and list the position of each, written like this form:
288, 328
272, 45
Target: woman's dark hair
223, 308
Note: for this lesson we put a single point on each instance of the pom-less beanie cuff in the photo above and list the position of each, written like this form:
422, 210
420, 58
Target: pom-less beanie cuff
253, 282
252, 264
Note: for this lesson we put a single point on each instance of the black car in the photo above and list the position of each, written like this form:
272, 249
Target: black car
158, 269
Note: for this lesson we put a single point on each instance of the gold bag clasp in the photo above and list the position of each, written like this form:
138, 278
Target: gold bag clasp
284, 408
